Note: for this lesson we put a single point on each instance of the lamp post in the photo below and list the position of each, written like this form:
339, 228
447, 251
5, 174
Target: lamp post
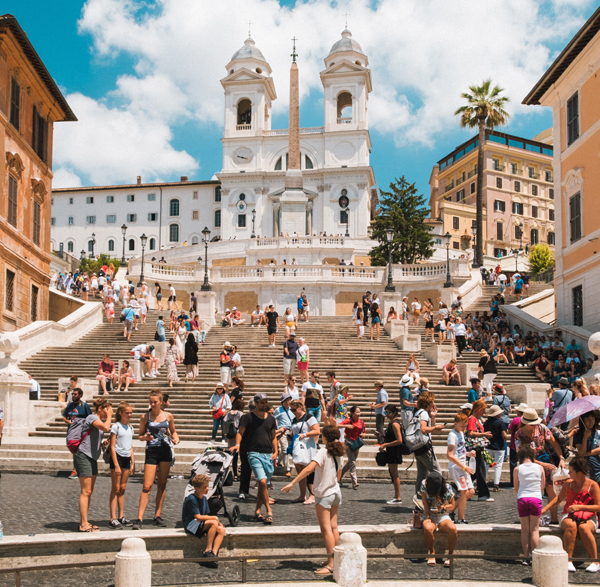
82, 255
390, 237
206, 238
143, 240
348, 223
93, 241
253, 235
448, 283
475, 265
521, 236
124, 231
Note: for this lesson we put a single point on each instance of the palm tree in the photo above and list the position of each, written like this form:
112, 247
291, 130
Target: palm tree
484, 109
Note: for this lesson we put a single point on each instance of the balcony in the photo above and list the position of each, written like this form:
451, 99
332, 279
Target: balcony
533, 175
243, 127
347, 120
498, 167
516, 171
472, 173
449, 186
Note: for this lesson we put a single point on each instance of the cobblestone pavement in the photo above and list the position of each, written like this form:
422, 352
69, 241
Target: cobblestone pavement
60, 495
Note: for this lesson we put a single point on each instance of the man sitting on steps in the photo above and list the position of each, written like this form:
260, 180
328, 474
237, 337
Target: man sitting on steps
145, 354
451, 374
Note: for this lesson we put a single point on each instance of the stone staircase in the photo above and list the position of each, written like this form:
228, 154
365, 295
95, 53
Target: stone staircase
482, 303
333, 343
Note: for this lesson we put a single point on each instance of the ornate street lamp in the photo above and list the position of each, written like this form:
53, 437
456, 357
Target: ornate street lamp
448, 283
521, 236
475, 265
93, 241
348, 222
253, 235
143, 240
82, 255
124, 231
389, 234
206, 239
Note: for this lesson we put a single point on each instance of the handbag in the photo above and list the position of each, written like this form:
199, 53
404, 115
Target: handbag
107, 453
219, 413
290, 448
357, 443
381, 459
156, 336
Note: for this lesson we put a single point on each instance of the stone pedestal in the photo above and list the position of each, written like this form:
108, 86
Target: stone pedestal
293, 207
350, 561
14, 390
88, 386
160, 350
207, 304
439, 355
396, 328
389, 299
550, 563
133, 565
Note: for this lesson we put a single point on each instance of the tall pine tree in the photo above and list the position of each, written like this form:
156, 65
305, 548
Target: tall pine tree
403, 210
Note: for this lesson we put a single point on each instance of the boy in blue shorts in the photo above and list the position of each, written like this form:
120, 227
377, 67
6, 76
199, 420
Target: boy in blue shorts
197, 520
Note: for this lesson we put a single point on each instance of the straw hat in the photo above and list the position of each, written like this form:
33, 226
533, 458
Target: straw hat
495, 411
530, 418
521, 408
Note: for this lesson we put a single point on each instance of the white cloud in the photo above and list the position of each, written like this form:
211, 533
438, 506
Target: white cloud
65, 178
422, 53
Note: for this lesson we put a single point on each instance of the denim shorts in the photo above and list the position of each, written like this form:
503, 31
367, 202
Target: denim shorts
316, 412
262, 466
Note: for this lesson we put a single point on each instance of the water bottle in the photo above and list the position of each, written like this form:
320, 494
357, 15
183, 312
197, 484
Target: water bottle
1, 531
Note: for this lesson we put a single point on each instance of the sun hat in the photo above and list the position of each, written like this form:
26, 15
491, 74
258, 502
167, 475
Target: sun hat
530, 418
292, 334
260, 396
521, 407
466, 406
406, 380
234, 307
495, 411
474, 378
563, 380
219, 385
378, 383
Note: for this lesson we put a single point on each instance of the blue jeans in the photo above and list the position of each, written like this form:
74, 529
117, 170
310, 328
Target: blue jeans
218, 422
316, 412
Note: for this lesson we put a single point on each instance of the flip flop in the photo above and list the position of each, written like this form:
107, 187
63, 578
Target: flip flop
268, 520
90, 529
431, 562
324, 571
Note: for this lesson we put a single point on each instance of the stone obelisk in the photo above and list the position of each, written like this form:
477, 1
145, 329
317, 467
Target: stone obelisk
293, 200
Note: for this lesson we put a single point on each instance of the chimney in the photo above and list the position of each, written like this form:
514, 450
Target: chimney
139, 180
184, 178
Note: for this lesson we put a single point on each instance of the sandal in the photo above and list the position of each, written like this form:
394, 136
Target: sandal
496, 488
90, 529
324, 571
431, 562
447, 563
258, 518
269, 519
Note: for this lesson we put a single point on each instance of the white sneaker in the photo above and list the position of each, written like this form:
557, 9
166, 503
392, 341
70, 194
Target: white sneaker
157, 373
571, 567
593, 568
223, 442
394, 501
151, 375
252, 326
136, 328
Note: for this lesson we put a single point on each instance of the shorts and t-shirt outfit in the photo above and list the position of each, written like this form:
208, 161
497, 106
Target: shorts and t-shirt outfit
258, 433
85, 461
272, 322
158, 450
326, 487
123, 443
529, 497
192, 507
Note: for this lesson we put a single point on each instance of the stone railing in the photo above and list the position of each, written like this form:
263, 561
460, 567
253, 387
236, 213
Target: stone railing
282, 132
162, 270
299, 241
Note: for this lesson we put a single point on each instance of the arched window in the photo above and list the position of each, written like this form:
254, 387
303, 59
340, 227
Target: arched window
344, 108
174, 207
152, 244
244, 112
194, 240
309, 163
279, 163
534, 236
174, 233
111, 246
217, 218
70, 247
131, 244
218, 193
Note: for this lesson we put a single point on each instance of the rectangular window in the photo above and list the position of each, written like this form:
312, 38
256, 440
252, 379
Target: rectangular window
517, 186
194, 195
343, 216
551, 214
455, 222
89, 200
71, 221
34, 302
549, 176
551, 239
111, 218
12, 200
9, 292
499, 183
460, 195
195, 214
152, 216
70, 200
578, 305
241, 221
217, 218
499, 206
52, 221
531, 172
514, 169
551, 193
575, 217
218, 193
90, 219
573, 119
15, 103
497, 165
456, 245
131, 217
499, 231
39, 135
517, 208
534, 211
37, 220
534, 190
131, 197
473, 188
110, 199
152, 197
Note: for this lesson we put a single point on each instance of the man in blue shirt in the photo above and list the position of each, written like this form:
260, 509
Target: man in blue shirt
128, 315
197, 520
379, 406
160, 329
475, 391
284, 418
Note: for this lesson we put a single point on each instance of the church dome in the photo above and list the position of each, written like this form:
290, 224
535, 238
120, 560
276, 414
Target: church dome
248, 51
346, 43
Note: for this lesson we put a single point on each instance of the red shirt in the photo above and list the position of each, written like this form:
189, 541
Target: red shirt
474, 425
357, 429
106, 367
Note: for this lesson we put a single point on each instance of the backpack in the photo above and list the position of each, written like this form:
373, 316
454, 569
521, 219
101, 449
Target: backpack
413, 437
75, 435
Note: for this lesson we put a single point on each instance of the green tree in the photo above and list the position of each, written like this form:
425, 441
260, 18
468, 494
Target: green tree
484, 109
403, 210
94, 265
541, 258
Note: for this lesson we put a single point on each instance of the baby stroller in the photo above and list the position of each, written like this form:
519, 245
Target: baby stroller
215, 464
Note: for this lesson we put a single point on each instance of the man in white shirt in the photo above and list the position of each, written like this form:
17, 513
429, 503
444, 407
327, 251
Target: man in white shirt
34, 389
501, 282
172, 297
255, 316
145, 354
312, 396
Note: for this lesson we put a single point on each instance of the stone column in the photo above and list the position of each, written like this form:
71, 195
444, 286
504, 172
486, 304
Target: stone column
133, 565
350, 561
14, 390
276, 230
206, 304
309, 218
550, 563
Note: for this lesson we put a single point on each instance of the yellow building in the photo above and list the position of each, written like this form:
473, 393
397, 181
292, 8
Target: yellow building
518, 193
571, 87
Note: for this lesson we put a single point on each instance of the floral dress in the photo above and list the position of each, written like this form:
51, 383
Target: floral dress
170, 363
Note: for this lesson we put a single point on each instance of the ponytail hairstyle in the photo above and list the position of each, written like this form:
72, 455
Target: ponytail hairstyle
122, 407
101, 403
334, 447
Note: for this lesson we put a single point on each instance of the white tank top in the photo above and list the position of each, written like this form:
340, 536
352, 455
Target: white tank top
530, 480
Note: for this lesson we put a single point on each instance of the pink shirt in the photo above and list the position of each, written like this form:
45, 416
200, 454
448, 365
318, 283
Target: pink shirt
512, 428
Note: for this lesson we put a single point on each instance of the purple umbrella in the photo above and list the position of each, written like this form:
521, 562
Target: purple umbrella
574, 409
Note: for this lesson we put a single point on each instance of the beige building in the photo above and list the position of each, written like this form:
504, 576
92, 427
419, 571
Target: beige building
518, 193
30, 104
571, 87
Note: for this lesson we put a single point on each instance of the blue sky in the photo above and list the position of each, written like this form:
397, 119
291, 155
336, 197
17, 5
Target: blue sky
143, 77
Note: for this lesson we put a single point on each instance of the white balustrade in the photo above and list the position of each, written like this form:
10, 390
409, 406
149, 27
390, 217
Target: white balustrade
159, 270
345, 120
300, 241
243, 127
313, 130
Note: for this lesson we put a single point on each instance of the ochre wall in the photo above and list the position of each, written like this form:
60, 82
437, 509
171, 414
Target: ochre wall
359, 259
234, 262
590, 99
434, 294
245, 301
344, 302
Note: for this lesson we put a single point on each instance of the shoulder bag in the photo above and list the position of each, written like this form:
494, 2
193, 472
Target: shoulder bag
219, 413
357, 443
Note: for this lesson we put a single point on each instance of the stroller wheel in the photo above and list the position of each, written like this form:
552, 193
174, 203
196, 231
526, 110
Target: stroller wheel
234, 516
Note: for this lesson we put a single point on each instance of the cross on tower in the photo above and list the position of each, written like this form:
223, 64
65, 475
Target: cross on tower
249, 28
347, 14
294, 54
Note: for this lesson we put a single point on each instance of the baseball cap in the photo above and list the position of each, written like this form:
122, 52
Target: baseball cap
292, 334
466, 406
285, 396
260, 396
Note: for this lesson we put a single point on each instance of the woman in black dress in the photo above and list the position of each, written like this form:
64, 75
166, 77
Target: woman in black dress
190, 359
391, 445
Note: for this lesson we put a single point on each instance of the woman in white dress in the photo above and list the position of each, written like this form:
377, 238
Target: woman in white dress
143, 308
181, 337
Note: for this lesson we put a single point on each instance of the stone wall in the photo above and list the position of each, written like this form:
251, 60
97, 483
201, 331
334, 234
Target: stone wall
244, 301
61, 305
